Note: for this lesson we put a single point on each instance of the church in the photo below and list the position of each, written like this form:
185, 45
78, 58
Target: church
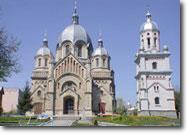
155, 93
77, 80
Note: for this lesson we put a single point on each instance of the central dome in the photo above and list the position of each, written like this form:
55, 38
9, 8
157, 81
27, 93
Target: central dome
74, 33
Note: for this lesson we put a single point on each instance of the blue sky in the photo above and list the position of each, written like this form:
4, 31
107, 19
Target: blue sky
119, 21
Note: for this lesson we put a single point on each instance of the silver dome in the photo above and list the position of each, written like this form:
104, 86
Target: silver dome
149, 24
44, 50
74, 33
100, 51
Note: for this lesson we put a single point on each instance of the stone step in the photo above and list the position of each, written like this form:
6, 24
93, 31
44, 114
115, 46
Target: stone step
67, 117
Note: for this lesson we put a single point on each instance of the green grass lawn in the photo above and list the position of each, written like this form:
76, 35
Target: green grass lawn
17, 121
140, 120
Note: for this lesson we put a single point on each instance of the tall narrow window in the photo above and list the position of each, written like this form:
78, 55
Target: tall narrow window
46, 62
157, 100
103, 62
148, 39
80, 51
68, 49
155, 42
97, 62
39, 62
154, 65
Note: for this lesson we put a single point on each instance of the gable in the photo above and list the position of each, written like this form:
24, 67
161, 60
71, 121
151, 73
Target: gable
69, 64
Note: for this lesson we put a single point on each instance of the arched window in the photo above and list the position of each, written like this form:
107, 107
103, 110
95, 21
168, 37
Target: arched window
39, 62
79, 51
103, 61
154, 88
156, 100
148, 39
68, 49
46, 62
97, 62
154, 65
39, 93
155, 42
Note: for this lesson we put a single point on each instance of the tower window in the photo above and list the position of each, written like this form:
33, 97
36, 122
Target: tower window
46, 62
156, 89
79, 51
155, 41
68, 49
147, 33
39, 62
103, 62
148, 39
157, 100
97, 62
154, 65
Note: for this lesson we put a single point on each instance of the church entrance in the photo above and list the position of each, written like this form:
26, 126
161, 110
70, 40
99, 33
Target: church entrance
68, 106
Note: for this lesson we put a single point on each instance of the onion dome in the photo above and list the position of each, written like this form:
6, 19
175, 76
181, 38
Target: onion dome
149, 24
100, 51
44, 50
74, 32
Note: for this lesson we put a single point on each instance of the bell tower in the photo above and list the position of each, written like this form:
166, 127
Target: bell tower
155, 93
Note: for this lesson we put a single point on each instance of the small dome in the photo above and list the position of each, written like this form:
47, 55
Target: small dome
44, 50
149, 24
74, 33
100, 51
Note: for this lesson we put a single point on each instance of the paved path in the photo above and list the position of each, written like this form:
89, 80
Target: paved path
110, 124
65, 122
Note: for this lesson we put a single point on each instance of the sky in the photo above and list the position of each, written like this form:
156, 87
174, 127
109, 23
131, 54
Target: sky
119, 21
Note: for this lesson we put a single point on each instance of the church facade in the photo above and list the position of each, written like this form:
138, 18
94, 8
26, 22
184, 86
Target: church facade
155, 94
78, 80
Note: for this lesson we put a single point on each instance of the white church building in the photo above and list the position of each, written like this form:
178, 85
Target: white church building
155, 94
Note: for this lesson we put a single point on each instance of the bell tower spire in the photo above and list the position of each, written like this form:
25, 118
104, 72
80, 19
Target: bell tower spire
75, 17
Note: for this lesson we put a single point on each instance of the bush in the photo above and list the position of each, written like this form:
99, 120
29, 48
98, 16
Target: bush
95, 123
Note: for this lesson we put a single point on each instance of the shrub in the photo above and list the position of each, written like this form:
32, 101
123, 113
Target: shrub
95, 123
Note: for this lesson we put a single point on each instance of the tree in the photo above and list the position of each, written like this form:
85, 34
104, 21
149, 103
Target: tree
8, 58
177, 95
120, 109
24, 101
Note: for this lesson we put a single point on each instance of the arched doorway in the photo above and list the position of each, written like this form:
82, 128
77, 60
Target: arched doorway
68, 105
